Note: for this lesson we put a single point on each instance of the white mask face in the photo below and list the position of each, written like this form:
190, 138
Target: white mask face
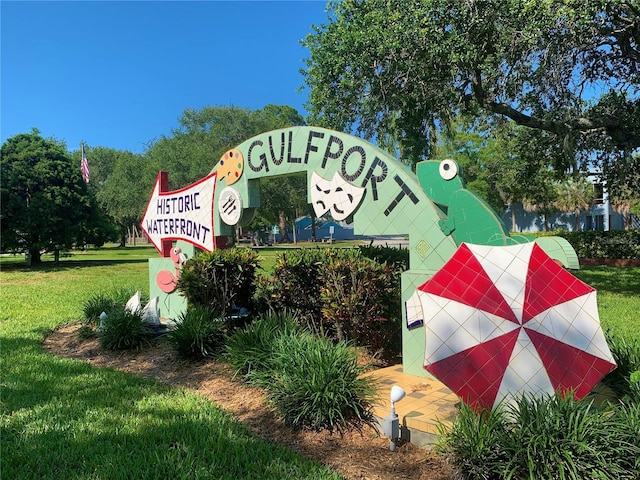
336, 196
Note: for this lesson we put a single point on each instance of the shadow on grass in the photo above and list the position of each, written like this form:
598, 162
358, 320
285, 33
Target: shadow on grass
621, 280
93, 258
66, 419
68, 265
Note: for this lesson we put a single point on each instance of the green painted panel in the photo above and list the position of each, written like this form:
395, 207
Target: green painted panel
171, 305
413, 340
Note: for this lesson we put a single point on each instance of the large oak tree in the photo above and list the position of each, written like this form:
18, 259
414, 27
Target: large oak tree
398, 71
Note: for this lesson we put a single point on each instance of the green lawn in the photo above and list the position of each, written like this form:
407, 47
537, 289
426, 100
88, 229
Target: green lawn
64, 419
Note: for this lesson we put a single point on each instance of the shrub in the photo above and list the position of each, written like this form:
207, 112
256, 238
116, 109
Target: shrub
199, 333
341, 293
626, 354
220, 279
360, 296
473, 443
123, 330
629, 431
103, 302
295, 286
318, 385
251, 351
399, 257
551, 437
615, 244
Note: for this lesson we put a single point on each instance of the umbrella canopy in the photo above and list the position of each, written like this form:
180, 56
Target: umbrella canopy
505, 321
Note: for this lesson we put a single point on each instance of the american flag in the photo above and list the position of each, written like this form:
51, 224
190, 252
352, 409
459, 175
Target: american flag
84, 167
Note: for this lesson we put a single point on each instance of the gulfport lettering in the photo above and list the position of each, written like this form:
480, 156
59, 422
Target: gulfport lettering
357, 165
178, 227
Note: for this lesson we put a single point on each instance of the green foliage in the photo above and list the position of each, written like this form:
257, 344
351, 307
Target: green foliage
575, 195
85, 332
626, 353
398, 257
319, 385
614, 244
544, 438
473, 443
250, 351
341, 293
64, 419
281, 199
360, 298
125, 190
395, 71
199, 333
204, 135
123, 330
312, 382
95, 305
294, 285
45, 204
220, 279
105, 302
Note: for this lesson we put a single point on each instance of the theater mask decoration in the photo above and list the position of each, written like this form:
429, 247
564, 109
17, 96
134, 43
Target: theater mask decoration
502, 322
336, 196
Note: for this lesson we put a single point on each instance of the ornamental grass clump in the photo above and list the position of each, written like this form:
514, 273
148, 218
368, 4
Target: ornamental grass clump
123, 329
250, 351
319, 385
95, 305
626, 353
546, 438
199, 333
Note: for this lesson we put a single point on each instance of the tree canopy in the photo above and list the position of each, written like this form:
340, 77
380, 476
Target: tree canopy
45, 204
398, 71
203, 136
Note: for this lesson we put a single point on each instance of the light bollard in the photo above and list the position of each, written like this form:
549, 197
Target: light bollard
391, 424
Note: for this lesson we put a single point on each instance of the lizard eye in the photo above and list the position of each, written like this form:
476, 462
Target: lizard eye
448, 169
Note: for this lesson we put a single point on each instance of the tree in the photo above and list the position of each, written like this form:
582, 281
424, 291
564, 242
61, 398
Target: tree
45, 204
623, 187
541, 197
398, 71
203, 136
575, 195
125, 190
282, 200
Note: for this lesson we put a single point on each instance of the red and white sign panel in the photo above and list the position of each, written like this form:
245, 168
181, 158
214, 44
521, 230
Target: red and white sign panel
185, 214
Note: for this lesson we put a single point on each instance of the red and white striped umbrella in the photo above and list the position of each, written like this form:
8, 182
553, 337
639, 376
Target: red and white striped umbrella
501, 322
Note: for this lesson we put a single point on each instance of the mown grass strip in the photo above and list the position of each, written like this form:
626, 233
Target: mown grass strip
65, 419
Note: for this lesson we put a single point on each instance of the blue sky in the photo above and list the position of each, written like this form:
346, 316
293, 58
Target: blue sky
119, 74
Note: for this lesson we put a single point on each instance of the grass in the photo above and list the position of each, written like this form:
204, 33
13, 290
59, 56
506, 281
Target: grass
64, 419
618, 298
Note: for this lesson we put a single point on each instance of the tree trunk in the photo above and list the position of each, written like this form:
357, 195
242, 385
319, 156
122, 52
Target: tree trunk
514, 223
312, 214
56, 255
123, 236
283, 227
34, 256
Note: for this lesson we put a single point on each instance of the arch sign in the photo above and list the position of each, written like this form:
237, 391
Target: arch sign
347, 177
